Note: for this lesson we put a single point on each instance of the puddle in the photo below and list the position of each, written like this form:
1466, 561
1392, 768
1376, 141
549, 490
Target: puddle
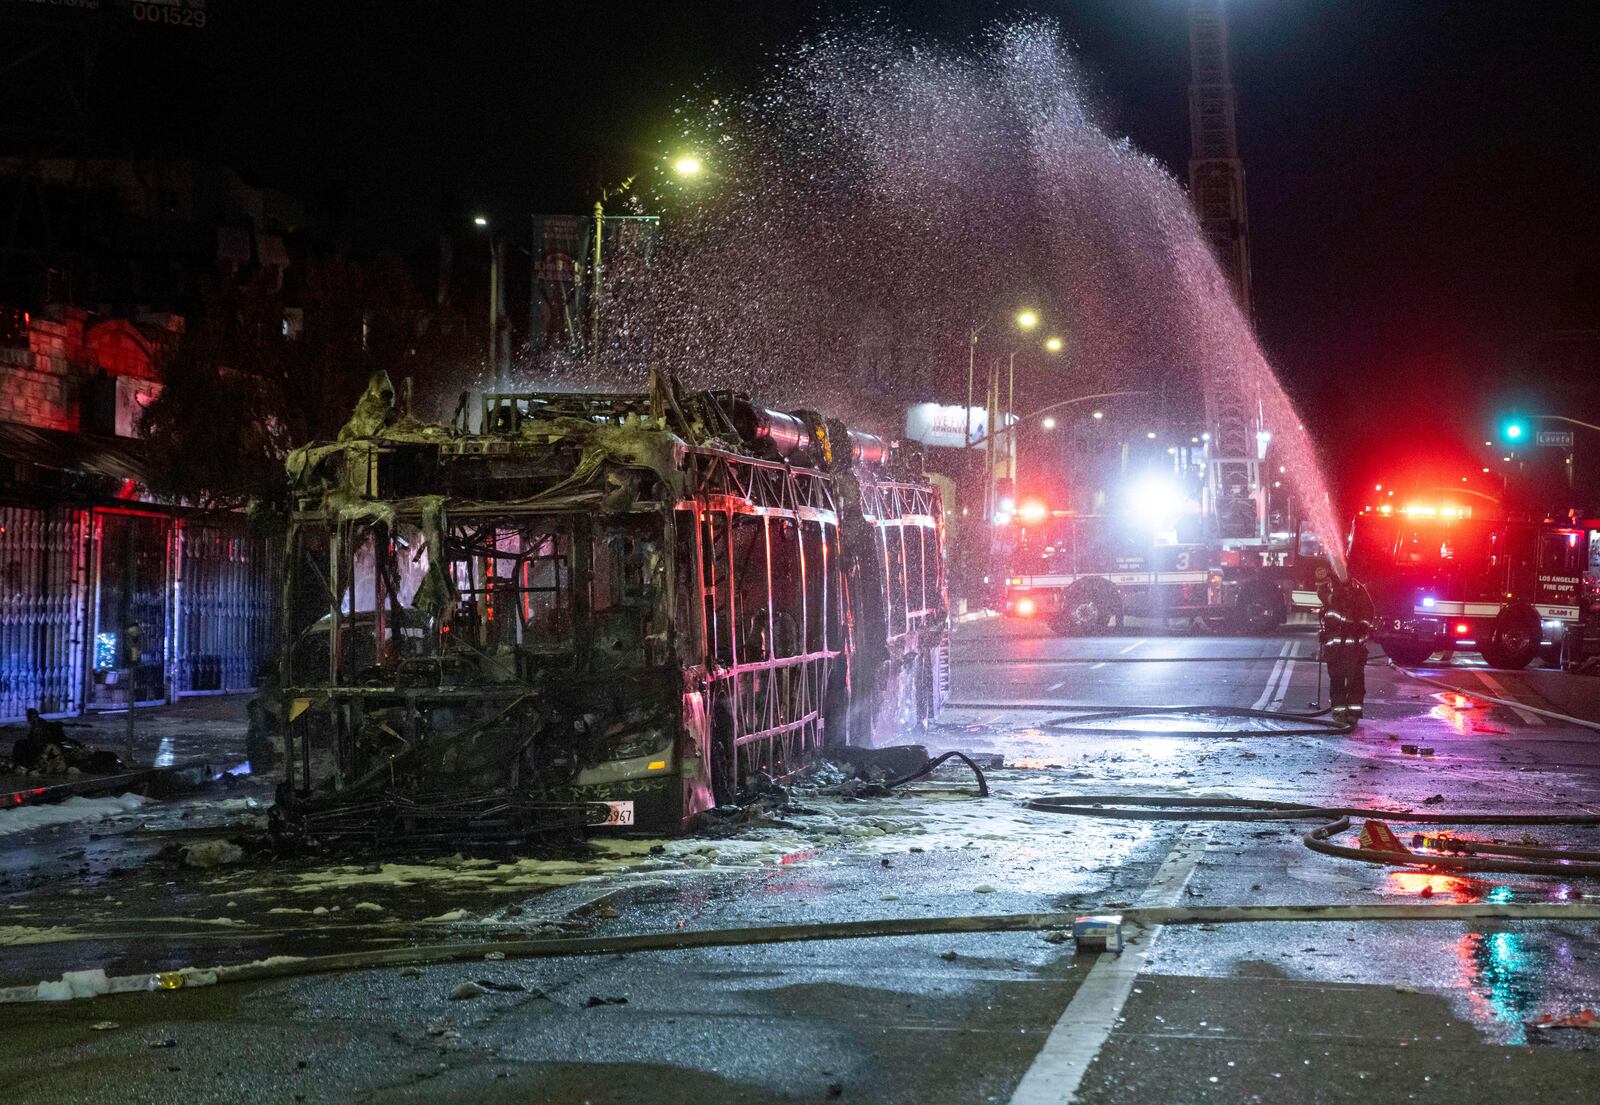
1177, 723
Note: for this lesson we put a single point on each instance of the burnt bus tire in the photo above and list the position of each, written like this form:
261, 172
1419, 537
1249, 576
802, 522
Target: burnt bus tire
724, 761
1408, 654
1515, 639
1089, 606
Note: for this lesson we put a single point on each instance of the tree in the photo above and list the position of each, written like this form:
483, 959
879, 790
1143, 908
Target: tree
241, 391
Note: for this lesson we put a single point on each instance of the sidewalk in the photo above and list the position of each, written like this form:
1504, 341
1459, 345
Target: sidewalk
210, 728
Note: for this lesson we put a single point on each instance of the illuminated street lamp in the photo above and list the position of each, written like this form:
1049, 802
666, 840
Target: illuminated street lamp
480, 220
1098, 415
685, 165
1049, 422
1027, 320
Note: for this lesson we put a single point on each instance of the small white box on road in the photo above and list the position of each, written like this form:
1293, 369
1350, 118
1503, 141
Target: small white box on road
1099, 932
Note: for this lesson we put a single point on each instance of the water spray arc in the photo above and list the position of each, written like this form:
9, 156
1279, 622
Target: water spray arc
874, 185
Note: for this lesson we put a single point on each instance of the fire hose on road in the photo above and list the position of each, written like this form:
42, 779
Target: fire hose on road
677, 940
1314, 724
1568, 863
1464, 855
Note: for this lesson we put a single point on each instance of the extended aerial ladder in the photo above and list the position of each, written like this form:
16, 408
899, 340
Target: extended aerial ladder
1235, 500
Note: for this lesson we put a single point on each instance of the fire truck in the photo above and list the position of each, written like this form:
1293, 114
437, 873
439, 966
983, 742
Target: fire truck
1085, 573
1443, 580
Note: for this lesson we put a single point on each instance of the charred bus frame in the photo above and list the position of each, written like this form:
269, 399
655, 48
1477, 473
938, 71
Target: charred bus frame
601, 609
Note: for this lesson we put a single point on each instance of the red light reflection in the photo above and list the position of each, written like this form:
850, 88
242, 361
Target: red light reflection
1414, 882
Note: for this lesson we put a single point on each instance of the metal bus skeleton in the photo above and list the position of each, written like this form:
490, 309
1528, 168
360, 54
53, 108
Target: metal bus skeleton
1445, 581
596, 609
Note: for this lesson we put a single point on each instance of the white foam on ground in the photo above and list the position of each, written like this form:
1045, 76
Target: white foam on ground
15, 935
74, 984
76, 808
817, 829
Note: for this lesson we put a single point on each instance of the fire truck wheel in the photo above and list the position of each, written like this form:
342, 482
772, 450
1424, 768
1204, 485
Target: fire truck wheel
1090, 606
1261, 610
1515, 639
1408, 654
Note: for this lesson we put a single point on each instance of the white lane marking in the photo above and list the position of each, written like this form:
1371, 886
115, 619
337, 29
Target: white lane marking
1101, 664
1527, 717
1283, 684
1090, 1016
1272, 680
1541, 711
1058, 686
1133, 646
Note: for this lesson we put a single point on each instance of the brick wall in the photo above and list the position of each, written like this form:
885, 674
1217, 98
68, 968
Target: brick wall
46, 384
37, 396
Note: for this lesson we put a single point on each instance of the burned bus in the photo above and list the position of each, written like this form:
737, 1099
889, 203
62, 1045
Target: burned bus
595, 609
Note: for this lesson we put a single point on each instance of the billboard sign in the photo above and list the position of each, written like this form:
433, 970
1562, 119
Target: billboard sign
937, 425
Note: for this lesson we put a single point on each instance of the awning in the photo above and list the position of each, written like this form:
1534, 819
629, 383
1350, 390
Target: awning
92, 454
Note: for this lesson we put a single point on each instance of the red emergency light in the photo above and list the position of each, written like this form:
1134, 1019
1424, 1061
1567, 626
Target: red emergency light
1026, 607
1032, 512
1462, 629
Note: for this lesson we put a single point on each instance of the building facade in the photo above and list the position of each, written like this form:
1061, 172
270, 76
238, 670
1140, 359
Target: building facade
106, 593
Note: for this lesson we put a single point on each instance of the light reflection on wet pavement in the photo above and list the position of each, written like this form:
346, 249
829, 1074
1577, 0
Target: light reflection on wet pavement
941, 852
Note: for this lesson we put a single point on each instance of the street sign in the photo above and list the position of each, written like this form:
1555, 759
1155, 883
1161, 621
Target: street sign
1560, 438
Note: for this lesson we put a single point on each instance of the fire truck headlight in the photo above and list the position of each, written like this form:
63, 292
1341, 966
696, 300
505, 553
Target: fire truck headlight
1154, 500
1428, 601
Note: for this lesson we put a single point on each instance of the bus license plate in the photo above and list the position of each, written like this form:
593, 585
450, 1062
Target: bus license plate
621, 813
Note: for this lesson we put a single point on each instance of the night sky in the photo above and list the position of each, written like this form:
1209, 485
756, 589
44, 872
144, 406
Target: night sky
1422, 175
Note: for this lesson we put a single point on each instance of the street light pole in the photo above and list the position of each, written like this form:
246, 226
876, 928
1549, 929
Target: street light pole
972, 353
1569, 421
497, 306
1029, 417
1011, 406
596, 284
685, 166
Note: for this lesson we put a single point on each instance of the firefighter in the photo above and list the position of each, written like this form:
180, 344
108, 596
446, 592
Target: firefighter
1347, 616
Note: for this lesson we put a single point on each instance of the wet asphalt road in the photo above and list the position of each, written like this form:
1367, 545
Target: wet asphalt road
1275, 1012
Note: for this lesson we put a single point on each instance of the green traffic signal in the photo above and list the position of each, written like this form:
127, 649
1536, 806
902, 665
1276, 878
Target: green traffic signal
1514, 431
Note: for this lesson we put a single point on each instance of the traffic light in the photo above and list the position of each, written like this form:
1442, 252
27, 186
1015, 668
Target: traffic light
1515, 431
